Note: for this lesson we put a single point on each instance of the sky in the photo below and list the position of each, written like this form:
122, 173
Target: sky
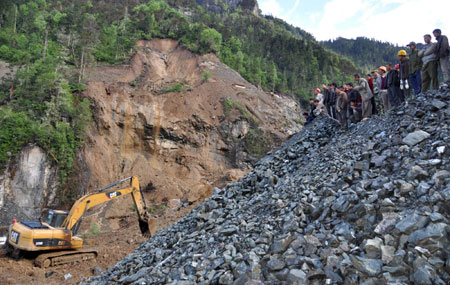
395, 21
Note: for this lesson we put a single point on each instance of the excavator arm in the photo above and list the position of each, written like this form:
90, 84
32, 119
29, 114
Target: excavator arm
146, 223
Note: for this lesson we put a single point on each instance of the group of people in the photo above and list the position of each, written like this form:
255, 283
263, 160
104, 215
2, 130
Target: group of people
390, 85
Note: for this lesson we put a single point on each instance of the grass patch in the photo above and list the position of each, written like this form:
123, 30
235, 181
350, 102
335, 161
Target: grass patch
95, 229
206, 75
154, 209
175, 88
256, 143
230, 104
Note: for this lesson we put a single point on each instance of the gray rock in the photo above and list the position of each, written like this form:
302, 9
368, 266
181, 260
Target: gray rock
373, 245
415, 137
372, 267
226, 278
131, 278
389, 220
418, 172
411, 223
281, 245
297, 275
406, 188
440, 176
275, 264
432, 231
438, 104
422, 276
361, 166
387, 253
228, 231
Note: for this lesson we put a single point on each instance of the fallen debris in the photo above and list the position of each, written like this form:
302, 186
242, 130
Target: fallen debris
320, 210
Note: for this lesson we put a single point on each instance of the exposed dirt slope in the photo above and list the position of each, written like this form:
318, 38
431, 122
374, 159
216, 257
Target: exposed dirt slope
180, 144
205, 133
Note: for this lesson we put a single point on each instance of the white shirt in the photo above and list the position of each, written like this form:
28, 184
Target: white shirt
320, 98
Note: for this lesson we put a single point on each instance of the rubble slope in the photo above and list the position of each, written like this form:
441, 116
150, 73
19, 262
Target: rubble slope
370, 205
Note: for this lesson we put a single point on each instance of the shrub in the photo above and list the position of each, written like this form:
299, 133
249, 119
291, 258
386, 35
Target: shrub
206, 75
177, 87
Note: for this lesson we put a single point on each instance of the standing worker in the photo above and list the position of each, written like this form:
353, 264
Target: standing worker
393, 86
341, 107
366, 95
319, 95
443, 52
415, 67
369, 79
430, 64
382, 88
404, 73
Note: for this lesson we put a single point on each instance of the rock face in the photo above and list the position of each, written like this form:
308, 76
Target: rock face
27, 186
305, 214
180, 142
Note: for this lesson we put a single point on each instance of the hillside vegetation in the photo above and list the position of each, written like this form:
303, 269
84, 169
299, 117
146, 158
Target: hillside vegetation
366, 53
54, 42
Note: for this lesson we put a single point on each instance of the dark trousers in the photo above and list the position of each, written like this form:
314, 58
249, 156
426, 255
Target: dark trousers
404, 92
342, 116
445, 68
355, 118
328, 109
430, 75
333, 112
394, 95
309, 119
416, 81
374, 106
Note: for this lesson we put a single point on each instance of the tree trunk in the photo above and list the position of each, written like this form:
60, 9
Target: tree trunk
125, 18
11, 92
15, 18
44, 53
81, 67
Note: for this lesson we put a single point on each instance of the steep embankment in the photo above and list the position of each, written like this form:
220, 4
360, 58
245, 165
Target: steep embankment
181, 122
368, 205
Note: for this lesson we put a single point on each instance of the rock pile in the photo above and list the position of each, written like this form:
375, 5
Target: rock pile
368, 206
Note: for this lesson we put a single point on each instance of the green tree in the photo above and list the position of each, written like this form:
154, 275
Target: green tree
210, 41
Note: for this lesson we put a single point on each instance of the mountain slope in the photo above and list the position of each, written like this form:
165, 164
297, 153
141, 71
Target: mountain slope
57, 42
366, 53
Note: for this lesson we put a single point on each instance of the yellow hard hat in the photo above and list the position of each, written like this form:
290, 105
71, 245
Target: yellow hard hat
402, 52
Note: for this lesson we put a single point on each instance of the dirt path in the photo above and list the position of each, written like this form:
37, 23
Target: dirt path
111, 247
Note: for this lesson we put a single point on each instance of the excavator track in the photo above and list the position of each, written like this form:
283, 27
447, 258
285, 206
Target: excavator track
64, 257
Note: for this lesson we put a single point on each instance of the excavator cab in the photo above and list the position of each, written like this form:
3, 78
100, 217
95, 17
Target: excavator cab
55, 218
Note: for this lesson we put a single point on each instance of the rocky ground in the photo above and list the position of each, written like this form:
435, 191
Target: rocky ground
370, 205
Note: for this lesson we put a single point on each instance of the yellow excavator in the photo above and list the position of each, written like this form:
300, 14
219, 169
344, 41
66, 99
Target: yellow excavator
57, 235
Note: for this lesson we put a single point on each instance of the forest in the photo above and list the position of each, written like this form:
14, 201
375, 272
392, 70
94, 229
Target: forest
366, 53
54, 42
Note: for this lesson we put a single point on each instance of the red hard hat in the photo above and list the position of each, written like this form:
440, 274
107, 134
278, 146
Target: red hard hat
317, 89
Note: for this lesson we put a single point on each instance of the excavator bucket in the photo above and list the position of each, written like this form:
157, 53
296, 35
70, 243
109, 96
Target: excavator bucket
148, 227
